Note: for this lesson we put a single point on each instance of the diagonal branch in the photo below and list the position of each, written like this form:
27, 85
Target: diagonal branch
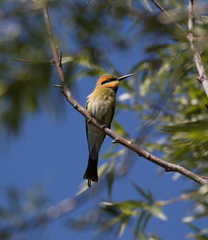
169, 167
168, 15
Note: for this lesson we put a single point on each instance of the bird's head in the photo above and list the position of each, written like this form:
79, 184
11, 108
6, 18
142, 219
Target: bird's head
109, 81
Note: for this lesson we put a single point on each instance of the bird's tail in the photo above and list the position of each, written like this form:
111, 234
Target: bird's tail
91, 171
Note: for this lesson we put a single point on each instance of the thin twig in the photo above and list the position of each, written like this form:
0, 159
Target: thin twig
141, 152
168, 15
53, 46
57, 85
32, 61
177, 199
203, 177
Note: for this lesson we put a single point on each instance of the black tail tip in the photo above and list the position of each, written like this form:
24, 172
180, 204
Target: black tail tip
91, 172
90, 178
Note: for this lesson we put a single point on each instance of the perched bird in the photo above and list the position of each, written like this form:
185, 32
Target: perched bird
101, 105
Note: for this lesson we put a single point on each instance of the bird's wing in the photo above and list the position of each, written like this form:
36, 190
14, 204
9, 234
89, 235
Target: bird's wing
113, 111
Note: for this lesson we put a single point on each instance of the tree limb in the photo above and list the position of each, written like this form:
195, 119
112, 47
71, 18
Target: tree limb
169, 167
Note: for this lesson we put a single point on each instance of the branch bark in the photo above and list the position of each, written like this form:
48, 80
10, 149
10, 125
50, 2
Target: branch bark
169, 167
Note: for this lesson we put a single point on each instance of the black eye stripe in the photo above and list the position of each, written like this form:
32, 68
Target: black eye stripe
108, 80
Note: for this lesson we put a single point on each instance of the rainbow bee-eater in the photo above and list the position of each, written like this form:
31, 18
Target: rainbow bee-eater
101, 105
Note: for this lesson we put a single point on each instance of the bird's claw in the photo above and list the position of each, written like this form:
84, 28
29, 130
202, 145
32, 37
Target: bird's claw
89, 183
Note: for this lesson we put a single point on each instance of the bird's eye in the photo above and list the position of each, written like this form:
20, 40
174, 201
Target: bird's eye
108, 80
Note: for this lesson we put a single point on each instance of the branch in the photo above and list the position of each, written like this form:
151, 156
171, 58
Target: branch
169, 167
32, 61
202, 78
177, 199
168, 15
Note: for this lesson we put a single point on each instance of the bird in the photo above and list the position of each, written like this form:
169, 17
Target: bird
101, 105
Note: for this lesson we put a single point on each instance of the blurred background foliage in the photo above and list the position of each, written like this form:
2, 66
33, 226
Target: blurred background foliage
164, 94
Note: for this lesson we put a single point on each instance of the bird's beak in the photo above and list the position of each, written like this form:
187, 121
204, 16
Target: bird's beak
125, 76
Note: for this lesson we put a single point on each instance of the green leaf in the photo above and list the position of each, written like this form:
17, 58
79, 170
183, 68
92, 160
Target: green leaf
147, 196
119, 129
157, 212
